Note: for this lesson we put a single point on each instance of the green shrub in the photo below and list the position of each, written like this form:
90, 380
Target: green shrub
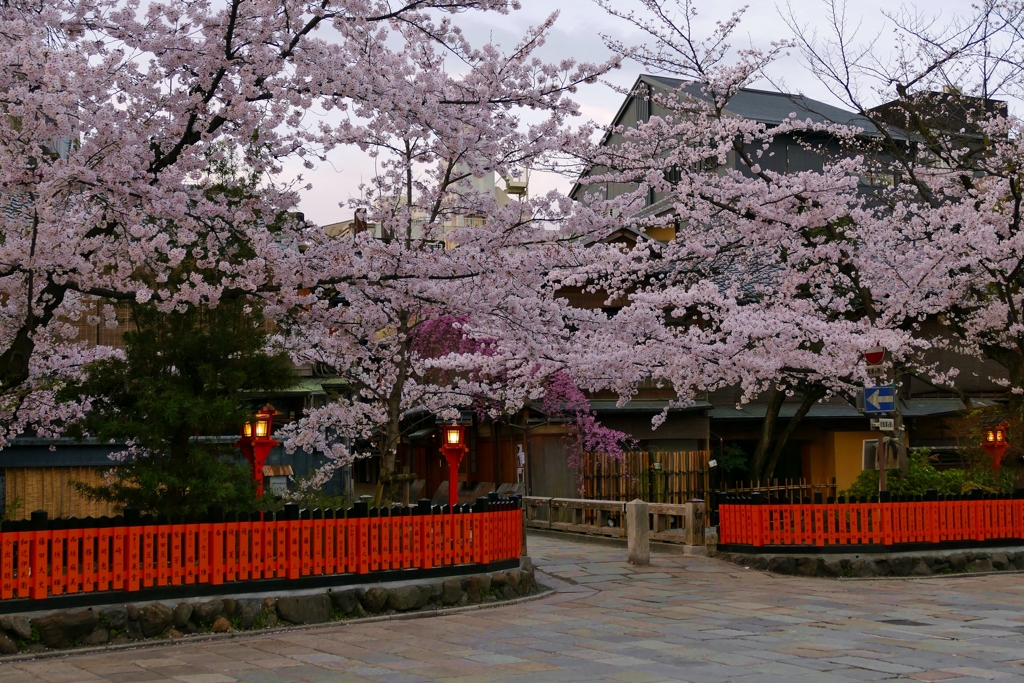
923, 476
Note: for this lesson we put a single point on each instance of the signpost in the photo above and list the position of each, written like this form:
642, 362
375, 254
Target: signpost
883, 400
879, 400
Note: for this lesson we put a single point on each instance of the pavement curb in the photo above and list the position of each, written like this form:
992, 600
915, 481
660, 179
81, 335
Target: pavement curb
206, 637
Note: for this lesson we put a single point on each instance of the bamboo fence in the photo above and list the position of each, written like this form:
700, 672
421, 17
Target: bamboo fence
677, 477
660, 477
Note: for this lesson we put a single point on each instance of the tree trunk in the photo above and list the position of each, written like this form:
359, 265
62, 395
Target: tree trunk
811, 396
393, 430
767, 429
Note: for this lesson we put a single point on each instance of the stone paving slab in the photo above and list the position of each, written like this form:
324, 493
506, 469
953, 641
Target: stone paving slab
683, 619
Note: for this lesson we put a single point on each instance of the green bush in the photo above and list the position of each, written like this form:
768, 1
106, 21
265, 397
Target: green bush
923, 476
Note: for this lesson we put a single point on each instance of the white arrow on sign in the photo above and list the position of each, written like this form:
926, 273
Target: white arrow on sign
873, 400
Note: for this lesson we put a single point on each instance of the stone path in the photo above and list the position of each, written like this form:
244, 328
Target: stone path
683, 619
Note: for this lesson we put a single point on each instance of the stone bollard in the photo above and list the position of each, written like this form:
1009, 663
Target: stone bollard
638, 533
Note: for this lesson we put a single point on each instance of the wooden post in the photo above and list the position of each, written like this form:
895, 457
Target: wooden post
638, 533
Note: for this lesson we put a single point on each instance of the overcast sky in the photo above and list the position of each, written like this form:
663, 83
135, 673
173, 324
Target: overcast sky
577, 34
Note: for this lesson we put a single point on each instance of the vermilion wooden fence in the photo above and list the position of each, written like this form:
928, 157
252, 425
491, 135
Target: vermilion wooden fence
41, 558
756, 522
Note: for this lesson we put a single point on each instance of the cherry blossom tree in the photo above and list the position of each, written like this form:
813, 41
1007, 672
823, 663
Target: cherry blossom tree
115, 112
774, 281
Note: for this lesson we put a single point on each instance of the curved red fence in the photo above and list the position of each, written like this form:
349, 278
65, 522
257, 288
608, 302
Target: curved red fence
42, 558
759, 523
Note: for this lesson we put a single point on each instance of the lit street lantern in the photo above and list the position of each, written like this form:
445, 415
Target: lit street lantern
256, 443
454, 448
995, 444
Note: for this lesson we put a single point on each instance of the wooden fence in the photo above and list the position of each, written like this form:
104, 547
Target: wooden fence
40, 558
756, 523
678, 477
670, 523
791, 489
657, 477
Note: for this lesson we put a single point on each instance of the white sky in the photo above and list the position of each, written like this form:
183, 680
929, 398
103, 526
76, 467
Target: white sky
577, 35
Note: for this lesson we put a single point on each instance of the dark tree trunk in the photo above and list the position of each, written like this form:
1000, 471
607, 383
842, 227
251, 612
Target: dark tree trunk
771, 416
811, 396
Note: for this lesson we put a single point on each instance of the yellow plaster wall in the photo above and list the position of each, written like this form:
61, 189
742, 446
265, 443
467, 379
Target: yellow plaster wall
848, 455
817, 456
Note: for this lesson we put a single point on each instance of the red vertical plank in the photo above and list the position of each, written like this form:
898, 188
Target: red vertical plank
363, 553
177, 558
294, 546
231, 547
104, 554
204, 562
8, 562
74, 579
385, 539
319, 544
26, 541
162, 554
374, 531
189, 551
41, 579
256, 546
419, 544
306, 544
58, 538
281, 545
244, 547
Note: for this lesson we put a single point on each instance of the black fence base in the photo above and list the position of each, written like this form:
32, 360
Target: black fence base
875, 549
265, 586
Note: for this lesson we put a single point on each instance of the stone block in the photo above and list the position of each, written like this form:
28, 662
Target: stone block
181, 614
782, 564
958, 561
222, 625
513, 577
205, 613
373, 599
7, 646
809, 566
406, 598
471, 588
638, 533
498, 580
982, 564
485, 583
133, 612
229, 608
98, 637
903, 565
154, 619
64, 629
346, 602
134, 631
921, 568
451, 592
305, 609
832, 568
247, 611
17, 627
1000, 561
863, 568
115, 618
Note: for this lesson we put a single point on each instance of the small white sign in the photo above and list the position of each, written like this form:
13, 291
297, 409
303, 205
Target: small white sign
712, 463
884, 424
876, 371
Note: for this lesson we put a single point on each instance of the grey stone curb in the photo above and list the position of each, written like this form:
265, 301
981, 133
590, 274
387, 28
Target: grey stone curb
205, 637
931, 577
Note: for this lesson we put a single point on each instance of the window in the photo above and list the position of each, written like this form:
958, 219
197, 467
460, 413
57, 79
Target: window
870, 455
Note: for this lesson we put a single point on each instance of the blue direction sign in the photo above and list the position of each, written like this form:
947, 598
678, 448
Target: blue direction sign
879, 399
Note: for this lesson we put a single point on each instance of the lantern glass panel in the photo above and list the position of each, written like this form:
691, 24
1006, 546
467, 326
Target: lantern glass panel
247, 430
999, 436
262, 427
990, 436
452, 436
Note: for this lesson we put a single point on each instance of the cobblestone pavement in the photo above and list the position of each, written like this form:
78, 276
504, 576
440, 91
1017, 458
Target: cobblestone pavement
682, 619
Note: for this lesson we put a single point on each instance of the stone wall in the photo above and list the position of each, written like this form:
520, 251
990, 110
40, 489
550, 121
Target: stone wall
870, 565
123, 624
